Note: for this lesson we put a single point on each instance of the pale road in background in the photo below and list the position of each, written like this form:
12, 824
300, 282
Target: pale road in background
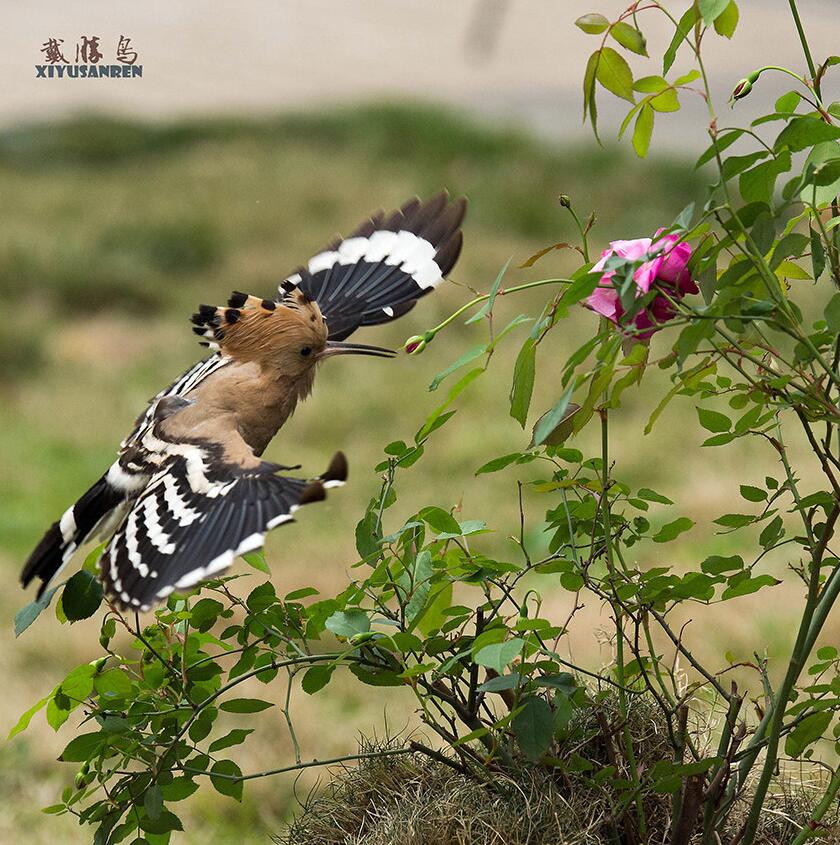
515, 61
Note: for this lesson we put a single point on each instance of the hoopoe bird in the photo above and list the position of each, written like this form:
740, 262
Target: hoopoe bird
189, 491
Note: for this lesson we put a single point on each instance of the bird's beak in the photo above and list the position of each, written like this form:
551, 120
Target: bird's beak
337, 347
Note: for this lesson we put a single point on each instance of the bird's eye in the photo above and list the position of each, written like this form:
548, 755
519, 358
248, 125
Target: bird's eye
306, 351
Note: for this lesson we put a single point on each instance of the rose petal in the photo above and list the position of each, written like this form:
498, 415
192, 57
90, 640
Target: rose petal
604, 300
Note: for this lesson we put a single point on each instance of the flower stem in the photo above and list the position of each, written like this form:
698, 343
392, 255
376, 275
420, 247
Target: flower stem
803, 40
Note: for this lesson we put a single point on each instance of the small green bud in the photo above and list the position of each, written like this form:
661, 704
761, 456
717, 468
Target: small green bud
98, 664
416, 344
565, 201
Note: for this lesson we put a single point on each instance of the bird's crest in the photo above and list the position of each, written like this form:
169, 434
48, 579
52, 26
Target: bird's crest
250, 328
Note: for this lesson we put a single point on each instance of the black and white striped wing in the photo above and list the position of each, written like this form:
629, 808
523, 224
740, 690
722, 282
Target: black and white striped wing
380, 271
186, 382
190, 523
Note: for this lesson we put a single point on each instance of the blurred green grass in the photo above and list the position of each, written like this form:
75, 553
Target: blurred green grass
113, 231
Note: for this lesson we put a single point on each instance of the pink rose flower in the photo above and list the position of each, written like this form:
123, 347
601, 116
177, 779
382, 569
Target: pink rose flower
663, 267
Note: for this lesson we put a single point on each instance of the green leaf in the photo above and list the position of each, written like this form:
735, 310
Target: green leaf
713, 421
256, 560
30, 612
817, 254
497, 656
735, 520
494, 290
469, 355
652, 496
26, 718
650, 84
235, 737
555, 425
743, 585
629, 37
316, 678
808, 731
753, 494
593, 23
440, 521
348, 623
245, 705
82, 596
804, 132
523, 381
179, 788
84, 747
204, 613
112, 685
787, 103
716, 565
368, 541
614, 74
727, 21
533, 727
500, 463
832, 313
643, 130
771, 533
758, 183
153, 802
672, 530
261, 597
163, 824
712, 9
589, 104
684, 26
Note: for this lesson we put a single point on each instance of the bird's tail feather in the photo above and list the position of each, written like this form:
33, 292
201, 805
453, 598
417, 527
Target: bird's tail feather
68, 533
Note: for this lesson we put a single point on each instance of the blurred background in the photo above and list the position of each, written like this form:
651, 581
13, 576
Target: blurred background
257, 131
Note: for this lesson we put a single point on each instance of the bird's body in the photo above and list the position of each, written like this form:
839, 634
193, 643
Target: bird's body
189, 490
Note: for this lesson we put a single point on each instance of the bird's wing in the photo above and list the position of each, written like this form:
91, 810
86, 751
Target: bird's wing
186, 382
207, 502
385, 266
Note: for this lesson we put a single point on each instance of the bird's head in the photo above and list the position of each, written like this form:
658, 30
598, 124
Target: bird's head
291, 336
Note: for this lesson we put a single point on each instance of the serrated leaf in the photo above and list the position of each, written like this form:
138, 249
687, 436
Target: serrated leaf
753, 494
713, 421
256, 560
716, 564
629, 37
808, 731
614, 74
348, 623
743, 585
727, 21
235, 737
804, 132
672, 530
83, 747
497, 656
711, 9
